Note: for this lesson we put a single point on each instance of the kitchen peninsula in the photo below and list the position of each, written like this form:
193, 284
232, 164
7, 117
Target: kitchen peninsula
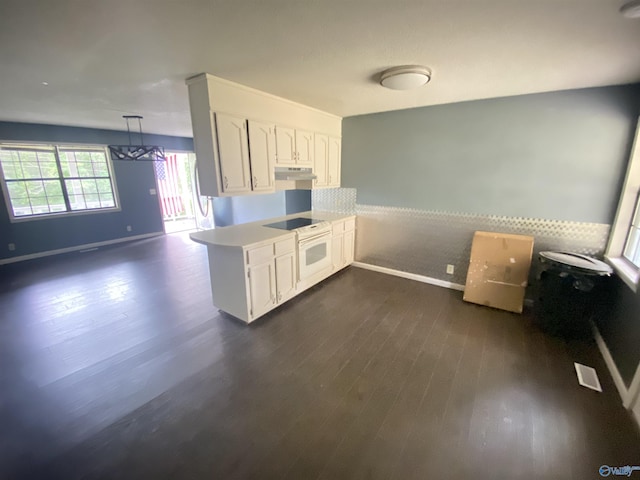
255, 267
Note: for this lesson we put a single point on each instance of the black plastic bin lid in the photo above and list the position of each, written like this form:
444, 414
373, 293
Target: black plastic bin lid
575, 262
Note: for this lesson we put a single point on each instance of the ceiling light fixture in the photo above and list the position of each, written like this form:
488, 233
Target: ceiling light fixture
631, 9
405, 77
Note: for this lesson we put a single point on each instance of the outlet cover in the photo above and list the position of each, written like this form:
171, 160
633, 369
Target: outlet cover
12, 247
450, 269
128, 228
152, 191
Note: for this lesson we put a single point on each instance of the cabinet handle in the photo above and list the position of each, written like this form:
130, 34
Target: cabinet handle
226, 182
273, 299
255, 182
279, 296
329, 179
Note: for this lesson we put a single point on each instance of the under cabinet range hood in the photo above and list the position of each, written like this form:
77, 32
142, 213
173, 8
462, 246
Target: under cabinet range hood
294, 178
283, 173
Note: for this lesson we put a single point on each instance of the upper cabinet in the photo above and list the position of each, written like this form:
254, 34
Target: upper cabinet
233, 149
262, 144
285, 146
294, 148
326, 161
242, 134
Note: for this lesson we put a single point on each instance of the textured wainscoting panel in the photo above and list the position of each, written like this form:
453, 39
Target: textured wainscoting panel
424, 242
338, 200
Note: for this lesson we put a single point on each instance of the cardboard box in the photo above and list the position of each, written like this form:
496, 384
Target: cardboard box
499, 270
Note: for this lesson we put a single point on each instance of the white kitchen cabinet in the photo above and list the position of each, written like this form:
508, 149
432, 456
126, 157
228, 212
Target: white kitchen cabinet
254, 268
343, 243
262, 288
326, 161
285, 146
304, 149
333, 163
286, 276
321, 160
233, 150
227, 162
294, 148
262, 151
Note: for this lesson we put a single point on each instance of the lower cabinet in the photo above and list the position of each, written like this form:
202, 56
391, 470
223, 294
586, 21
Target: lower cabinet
286, 275
271, 275
262, 288
251, 280
343, 243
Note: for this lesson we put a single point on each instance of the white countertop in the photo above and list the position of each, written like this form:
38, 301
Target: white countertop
255, 232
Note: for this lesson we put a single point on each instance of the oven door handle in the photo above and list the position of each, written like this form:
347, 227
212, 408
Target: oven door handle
313, 239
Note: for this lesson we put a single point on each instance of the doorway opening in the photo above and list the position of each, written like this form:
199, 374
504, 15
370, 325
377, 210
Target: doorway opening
183, 209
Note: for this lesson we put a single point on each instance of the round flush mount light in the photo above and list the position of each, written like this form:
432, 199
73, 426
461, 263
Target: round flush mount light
405, 77
631, 9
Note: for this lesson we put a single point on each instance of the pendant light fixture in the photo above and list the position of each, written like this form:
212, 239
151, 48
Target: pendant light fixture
405, 77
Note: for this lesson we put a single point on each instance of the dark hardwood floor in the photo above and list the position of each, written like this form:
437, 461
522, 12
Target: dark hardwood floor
114, 364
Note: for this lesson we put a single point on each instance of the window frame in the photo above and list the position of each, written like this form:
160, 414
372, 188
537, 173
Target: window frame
56, 148
629, 198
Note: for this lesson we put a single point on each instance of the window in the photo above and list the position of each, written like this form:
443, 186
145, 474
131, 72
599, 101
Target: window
632, 247
45, 180
623, 251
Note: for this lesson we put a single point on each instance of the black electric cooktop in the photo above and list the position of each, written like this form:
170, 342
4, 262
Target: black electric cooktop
293, 223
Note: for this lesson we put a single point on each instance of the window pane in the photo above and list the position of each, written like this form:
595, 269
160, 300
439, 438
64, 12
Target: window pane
104, 185
30, 168
53, 188
106, 200
74, 187
101, 169
11, 169
49, 169
632, 248
92, 200
89, 186
35, 188
77, 202
56, 204
17, 190
84, 169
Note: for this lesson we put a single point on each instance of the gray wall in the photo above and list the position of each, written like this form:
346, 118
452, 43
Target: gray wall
133, 180
557, 156
552, 156
250, 208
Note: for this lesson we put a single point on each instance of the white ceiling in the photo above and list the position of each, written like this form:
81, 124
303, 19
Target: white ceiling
104, 59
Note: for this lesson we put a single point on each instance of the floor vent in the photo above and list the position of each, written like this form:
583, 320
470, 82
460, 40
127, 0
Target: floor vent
587, 377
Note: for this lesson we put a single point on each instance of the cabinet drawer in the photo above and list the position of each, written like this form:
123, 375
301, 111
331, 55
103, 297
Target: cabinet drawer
285, 246
260, 254
350, 225
337, 228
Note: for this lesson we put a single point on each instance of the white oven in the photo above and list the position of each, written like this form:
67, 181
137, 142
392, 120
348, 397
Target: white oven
314, 250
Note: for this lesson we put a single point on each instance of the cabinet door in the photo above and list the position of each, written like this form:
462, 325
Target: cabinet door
349, 246
333, 170
233, 151
320, 159
262, 288
285, 145
262, 150
304, 148
337, 251
285, 277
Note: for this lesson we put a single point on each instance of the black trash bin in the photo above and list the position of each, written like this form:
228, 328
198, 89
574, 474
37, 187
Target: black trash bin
572, 290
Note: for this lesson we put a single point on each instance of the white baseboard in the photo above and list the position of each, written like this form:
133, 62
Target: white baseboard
410, 276
86, 246
611, 365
